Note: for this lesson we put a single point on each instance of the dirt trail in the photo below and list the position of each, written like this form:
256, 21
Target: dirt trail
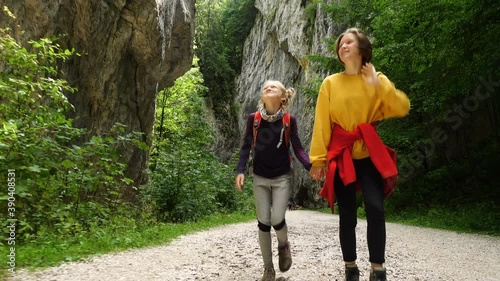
232, 253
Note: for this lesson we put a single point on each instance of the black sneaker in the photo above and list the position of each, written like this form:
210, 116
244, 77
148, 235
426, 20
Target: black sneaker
378, 274
351, 273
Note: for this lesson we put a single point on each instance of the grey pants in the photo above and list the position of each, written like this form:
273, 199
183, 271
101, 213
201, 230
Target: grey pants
271, 201
271, 198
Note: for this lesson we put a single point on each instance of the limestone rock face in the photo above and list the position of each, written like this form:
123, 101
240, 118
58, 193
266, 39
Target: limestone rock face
277, 49
278, 45
131, 49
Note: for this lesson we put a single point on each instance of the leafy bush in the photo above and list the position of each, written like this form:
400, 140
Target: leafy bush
187, 181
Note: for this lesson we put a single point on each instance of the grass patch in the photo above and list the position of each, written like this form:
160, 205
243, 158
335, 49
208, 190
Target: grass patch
481, 218
477, 219
51, 250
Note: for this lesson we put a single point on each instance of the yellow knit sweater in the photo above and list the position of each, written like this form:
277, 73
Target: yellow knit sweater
348, 100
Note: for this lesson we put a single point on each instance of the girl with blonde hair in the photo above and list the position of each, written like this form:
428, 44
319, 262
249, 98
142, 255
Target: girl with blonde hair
266, 138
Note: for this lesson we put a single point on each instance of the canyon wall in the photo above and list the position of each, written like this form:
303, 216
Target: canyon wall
130, 50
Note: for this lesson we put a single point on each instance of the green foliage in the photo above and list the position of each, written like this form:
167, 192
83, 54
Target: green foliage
466, 180
180, 112
430, 49
349, 13
310, 11
433, 47
310, 89
60, 187
238, 18
187, 181
221, 29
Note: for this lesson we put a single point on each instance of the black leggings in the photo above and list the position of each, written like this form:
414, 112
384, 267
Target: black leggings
372, 186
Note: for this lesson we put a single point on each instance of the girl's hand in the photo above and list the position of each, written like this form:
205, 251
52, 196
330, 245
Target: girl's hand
369, 74
317, 173
240, 180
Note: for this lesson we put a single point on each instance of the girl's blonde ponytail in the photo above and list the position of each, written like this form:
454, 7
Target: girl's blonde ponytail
289, 95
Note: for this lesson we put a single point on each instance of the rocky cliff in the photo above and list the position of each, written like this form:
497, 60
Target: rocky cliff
277, 48
131, 49
278, 45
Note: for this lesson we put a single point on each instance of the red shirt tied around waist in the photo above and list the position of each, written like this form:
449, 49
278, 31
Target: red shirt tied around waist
339, 157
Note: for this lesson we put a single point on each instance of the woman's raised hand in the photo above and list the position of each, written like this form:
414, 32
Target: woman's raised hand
369, 74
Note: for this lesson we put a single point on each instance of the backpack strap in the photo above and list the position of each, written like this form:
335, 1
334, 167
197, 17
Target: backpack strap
285, 130
286, 126
256, 123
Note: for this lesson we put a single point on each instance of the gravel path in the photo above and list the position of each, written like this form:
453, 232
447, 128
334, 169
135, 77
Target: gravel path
232, 253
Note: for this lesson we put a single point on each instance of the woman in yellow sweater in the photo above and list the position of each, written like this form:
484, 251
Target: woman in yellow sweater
345, 147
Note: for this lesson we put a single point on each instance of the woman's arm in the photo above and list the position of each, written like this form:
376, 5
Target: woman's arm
322, 129
394, 103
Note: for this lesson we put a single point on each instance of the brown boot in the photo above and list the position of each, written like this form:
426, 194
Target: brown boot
285, 257
269, 274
